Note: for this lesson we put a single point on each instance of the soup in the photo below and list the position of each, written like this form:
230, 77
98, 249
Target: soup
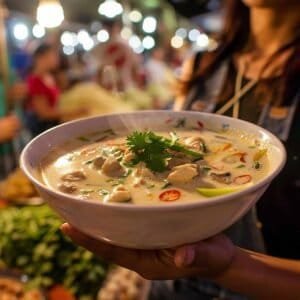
145, 167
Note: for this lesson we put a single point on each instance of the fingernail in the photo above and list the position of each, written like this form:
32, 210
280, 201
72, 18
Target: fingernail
185, 257
189, 256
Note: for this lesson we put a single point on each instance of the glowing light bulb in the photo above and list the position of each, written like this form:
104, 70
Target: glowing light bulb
149, 24
177, 42
38, 31
50, 13
110, 8
148, 42
135, 16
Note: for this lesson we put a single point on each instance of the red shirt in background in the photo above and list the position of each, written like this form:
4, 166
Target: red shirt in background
37, 87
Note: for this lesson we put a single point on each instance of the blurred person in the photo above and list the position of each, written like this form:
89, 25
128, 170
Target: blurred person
9, 128
10, 125
41, 106
117, 54
156, 66
253, 75
257, 66
42, 110
160, 78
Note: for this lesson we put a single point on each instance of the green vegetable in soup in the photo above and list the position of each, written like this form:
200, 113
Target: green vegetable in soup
154, 150
214, 192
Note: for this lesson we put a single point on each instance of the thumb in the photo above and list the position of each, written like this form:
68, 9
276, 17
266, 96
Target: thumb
213, 255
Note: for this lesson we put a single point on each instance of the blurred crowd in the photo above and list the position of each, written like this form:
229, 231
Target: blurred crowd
54, 88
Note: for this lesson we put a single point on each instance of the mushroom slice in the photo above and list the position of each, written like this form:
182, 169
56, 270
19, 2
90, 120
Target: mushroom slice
119, 194
222, 177
98, 162
74, 176
196, 142
113, 168
67, 188
183, 174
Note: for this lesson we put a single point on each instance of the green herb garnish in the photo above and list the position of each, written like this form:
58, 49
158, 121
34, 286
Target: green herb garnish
257, 165
167, 184
154, 150
205, 169
86, 192
103, 192
240, 167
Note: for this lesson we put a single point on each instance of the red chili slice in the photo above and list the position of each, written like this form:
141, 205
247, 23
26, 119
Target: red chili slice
243, 179
169, 195
200, 124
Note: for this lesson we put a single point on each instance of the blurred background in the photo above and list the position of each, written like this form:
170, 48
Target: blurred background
80, 58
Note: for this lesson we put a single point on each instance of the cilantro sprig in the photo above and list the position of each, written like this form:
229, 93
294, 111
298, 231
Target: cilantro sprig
154, 150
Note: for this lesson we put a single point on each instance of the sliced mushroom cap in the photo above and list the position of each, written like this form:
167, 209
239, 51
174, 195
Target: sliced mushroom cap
113, 168
196, 143
98, 162
74, 176
119, 194
222, 177
183, 174
67, 187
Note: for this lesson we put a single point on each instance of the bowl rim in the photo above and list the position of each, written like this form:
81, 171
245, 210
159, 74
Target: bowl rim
158, 207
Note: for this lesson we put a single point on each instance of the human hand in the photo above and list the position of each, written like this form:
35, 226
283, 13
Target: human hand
9, 128
18, 92
209, 258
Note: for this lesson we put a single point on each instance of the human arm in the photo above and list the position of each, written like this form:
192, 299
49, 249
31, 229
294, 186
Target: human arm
17, 92
9, 128
43, 110
255, 275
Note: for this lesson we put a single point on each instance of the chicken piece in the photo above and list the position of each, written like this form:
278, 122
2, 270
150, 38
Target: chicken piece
98, 162
128, 156
183, 174
196, 143
113, 168
177, 161
143, 172
119, 194
74, 176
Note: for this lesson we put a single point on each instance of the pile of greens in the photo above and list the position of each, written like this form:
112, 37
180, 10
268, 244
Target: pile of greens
155, 150
31, 241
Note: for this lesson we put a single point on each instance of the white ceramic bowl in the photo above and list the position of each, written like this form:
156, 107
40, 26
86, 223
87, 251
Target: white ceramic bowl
157, 226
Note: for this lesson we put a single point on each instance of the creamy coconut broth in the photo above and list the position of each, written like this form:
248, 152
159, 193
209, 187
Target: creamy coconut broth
155, 167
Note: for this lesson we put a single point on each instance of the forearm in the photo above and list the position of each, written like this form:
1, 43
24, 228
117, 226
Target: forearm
262, 277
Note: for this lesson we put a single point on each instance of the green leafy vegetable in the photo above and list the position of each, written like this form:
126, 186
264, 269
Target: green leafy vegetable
240, 166
31, 241
154, 150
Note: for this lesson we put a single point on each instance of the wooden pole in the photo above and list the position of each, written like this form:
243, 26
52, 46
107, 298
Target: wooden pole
4, 65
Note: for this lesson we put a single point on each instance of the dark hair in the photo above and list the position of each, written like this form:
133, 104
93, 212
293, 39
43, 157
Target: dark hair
232, 39
41, 50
